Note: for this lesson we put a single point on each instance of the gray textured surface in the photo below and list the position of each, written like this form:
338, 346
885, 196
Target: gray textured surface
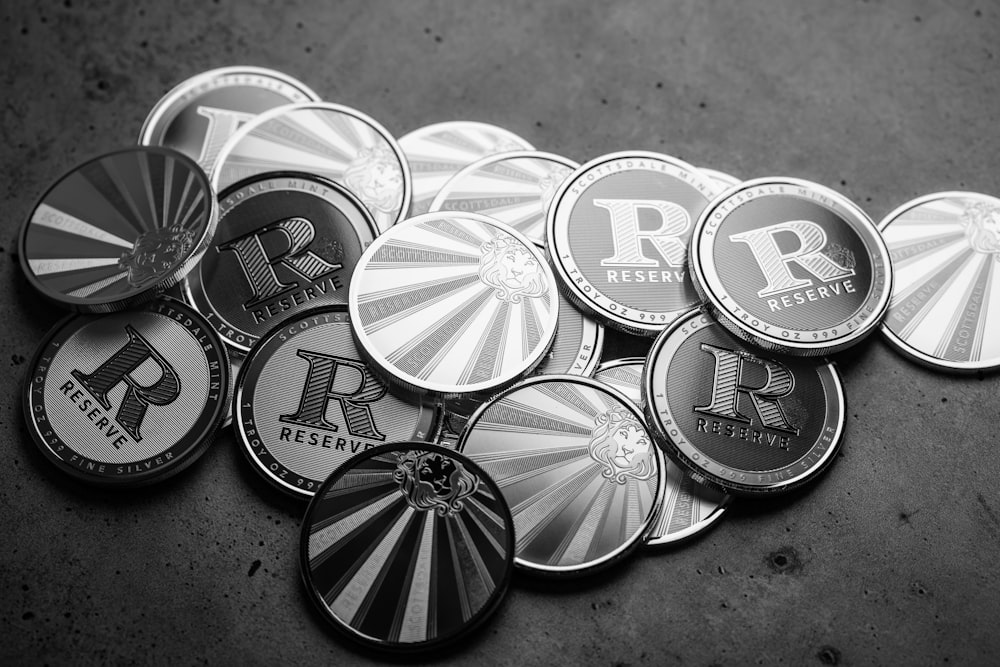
891, 558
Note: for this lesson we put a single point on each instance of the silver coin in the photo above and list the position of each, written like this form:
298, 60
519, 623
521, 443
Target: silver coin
688, 507
119, 229
945, 307
285, 243
437, 152
618, 233
198, 115
236, 359
791, 266
515, 188
739, 421
306, 403
578, 468
446, 304
329, 140
130, 398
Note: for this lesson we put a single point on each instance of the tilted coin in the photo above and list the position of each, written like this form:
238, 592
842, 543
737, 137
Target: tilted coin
945, 306
198, 115
577, 466
515, 188
688, 507
437, 152
722, 179
130, 398
407, 547
618, 233
453, 303
740, 421
328, 140
791, 266
236, 359
307, 402
118, 229
286, 242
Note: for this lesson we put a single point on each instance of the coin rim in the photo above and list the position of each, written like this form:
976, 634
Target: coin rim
439, 198
410, 386
681, 450
152, 127
188, 284
128, 480
709, 285
462, 631
623, 550
246, 417
135, 297
567, 284
271, 114
895, 340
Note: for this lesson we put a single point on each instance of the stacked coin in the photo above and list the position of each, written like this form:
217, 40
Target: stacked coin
417, 335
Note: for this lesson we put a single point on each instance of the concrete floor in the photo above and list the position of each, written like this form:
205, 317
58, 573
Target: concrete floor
890, 559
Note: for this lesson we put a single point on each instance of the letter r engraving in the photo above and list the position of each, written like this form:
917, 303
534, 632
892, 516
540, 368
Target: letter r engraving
774, 264
259, 268
138, 397
222, 124
626, 234
319, 390
729, 382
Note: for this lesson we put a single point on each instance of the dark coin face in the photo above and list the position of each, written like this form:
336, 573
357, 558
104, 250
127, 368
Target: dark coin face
688, 508
437, 152
201, 113
307, 403
451, 303
577, 466
285, 243
514, 188
129, 398
618, 234
407, 546
118, 230
944, 249
792, 266
329, 140
739, 420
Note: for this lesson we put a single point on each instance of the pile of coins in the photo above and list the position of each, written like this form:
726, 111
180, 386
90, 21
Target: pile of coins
409, 334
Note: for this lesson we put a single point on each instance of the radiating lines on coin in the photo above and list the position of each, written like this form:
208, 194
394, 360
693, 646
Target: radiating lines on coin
482, 582
378, 310
147, 181
305, 132
488, 363
531, 330
911, 250
487, 517
43, 267
338, 527
99, 286
412, 622
472, 233
360, 478
400, 254
52, 218
625, 379
509, 415
513, 467
535, 513
583, 401
962, 339
909, 306
121, 184
579, 540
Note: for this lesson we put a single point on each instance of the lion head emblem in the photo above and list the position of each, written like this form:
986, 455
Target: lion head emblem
155, 252
981, 222
507, 266
433, 481
375, 177
620, 443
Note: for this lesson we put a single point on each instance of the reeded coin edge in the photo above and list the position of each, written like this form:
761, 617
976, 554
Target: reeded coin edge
708, 285
210, 421
578, 296
896, 342
722, 478
624, 550
443, 641
199, 301
409, 387
136, 298
244, 417
150, 130
271, 114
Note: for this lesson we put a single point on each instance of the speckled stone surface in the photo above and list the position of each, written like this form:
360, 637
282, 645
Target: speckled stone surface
890, 559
